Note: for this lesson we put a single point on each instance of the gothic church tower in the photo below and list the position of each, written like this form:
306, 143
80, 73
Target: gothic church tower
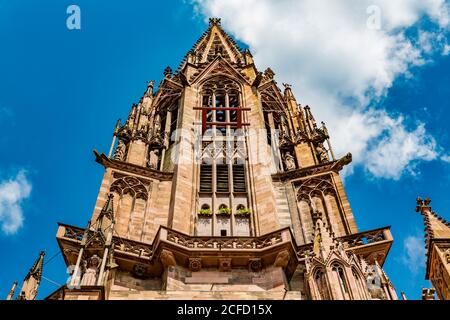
219, 185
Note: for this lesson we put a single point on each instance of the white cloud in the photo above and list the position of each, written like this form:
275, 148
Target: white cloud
12, 192
446, 158
446, 50
342, 68
414, 253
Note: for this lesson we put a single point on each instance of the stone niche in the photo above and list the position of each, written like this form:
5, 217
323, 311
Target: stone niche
236, 279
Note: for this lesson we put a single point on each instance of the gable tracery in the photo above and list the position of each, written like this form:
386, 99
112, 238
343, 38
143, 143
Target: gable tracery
132, 186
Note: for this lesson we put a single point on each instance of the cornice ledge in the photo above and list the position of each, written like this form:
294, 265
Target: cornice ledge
335, 166
120, 165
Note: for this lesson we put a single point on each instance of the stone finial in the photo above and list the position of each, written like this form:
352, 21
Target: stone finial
269, 73
150, 85
428, 293
422, 205
287, 86
215, 22
168, 72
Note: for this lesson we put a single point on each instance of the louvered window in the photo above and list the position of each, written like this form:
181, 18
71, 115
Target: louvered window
222, 178
206, 178
239, 178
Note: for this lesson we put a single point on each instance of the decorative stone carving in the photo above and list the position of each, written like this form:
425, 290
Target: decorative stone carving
150, 85
374, 284
322, 153
91, 267
120, 151
167, 258
255, 265
269, 74
153, 159
289, 161
139, 188
168, 72
225, 264
140, 271
195, 264
282, 259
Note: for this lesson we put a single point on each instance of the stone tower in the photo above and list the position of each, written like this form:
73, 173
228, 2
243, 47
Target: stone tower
219, 185
437, 244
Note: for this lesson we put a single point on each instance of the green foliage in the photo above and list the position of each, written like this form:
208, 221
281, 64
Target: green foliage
243, 212
205, 212
225, 211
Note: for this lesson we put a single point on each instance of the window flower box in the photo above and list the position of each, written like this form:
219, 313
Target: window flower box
243, 212
224, 212
205, 213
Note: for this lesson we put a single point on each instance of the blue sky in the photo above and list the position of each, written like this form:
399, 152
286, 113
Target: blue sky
63, 90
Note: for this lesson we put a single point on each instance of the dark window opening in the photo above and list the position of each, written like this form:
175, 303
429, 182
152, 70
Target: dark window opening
205, 178
220, 101
222, 178
223, 233
239, 178
173, 126
266, 123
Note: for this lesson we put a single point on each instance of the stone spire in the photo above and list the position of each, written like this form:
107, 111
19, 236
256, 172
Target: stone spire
437, 244
214, 42
31, 283
436, 227
105, 219
323, 239
12, 291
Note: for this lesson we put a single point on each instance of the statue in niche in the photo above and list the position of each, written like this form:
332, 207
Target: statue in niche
142, 132
153, 159
289, 161
91, 267
322, 153
120, 151
374, 284
157, 125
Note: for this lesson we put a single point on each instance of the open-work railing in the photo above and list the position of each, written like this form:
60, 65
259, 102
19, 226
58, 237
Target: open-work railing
221, 243
367, 237
166, 235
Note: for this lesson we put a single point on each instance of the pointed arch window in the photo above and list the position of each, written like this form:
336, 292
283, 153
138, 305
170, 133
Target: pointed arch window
321, 285
360, 285
221, 105
339, 275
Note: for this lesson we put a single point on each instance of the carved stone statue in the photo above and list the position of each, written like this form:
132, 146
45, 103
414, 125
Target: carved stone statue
120, 151
374, 285
153, 159
91, 270
289, 161
322, 153
150, 85
157, 125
